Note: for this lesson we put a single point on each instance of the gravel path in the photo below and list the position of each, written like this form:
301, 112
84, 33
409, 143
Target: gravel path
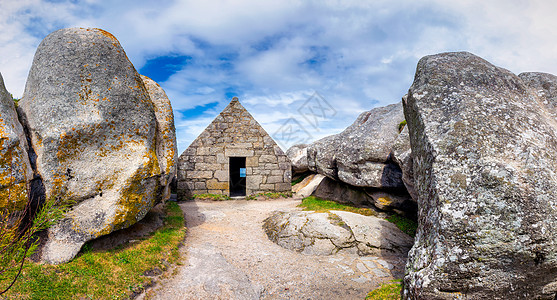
228, 256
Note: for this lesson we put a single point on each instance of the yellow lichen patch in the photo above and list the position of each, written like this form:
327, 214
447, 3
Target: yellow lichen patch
140, 193
13, 192
105, 33
386, 201
14, 197
71, 145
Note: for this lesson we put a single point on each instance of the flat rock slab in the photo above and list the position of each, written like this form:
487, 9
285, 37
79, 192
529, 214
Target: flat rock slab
228, 256
313, 233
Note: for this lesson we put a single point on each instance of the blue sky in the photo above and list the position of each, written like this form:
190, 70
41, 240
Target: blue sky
344, 57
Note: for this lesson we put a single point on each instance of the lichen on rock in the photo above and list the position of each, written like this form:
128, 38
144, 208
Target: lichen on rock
484, 152
93, 126
15, 168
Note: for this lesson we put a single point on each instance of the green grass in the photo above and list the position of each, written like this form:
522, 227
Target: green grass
401, 125
320, 205
214, 197
112, 274
270, 195
406, 225
387, 291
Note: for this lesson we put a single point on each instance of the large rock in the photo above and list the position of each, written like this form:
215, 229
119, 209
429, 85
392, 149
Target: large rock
165, 135
93, 127
485, 154
15, 168
360, 155
298, 155
314, 233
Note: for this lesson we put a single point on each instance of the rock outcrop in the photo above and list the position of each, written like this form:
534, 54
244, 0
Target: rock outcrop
298, 155
314, 233
360, 155
165, 135
484, 150
15, 168
93, 127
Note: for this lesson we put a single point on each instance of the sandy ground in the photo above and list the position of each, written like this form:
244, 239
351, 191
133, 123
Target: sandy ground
227, 255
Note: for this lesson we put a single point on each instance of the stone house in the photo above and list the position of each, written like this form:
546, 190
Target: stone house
233, 156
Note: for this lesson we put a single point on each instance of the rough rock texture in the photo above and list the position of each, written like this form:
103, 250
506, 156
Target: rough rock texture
15, 169
307, 186
360, 155
298, 155
402, 156
165, 135
485, 155
204, 166
314, 233
93, 127
545, 86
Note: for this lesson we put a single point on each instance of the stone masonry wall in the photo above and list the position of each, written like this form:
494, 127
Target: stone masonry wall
203, 167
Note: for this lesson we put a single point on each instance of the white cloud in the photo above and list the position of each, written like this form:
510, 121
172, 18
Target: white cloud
275, 54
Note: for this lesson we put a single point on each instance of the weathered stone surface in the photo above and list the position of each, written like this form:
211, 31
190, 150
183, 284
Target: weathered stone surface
233, 133
15, 168
307, 186
374, 234
298, 155
402, 156
167, 153
314, 233
93, 127
545, 86
485, 154
360, 155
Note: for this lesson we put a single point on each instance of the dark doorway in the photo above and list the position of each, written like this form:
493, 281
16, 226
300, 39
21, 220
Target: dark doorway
237, 171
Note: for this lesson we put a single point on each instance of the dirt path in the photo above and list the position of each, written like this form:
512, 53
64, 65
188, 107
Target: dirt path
228, 256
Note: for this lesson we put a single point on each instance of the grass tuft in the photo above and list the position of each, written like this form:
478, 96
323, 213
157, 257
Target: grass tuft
404, 224
270, 195
112, 274
401, 126
387, 291
213, 197
320, 205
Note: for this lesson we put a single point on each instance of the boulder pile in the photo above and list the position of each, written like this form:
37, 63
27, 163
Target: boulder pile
100, 137
369, 163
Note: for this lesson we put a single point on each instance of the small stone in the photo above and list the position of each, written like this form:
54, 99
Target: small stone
361, 267
361, 279
385, 264
380, 273
370, 264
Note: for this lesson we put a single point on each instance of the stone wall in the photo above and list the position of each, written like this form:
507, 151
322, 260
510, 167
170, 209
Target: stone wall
203, 167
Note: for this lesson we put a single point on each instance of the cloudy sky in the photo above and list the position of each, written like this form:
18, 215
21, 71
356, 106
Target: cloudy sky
304, 69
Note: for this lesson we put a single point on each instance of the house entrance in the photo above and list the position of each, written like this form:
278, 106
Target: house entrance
237, 172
